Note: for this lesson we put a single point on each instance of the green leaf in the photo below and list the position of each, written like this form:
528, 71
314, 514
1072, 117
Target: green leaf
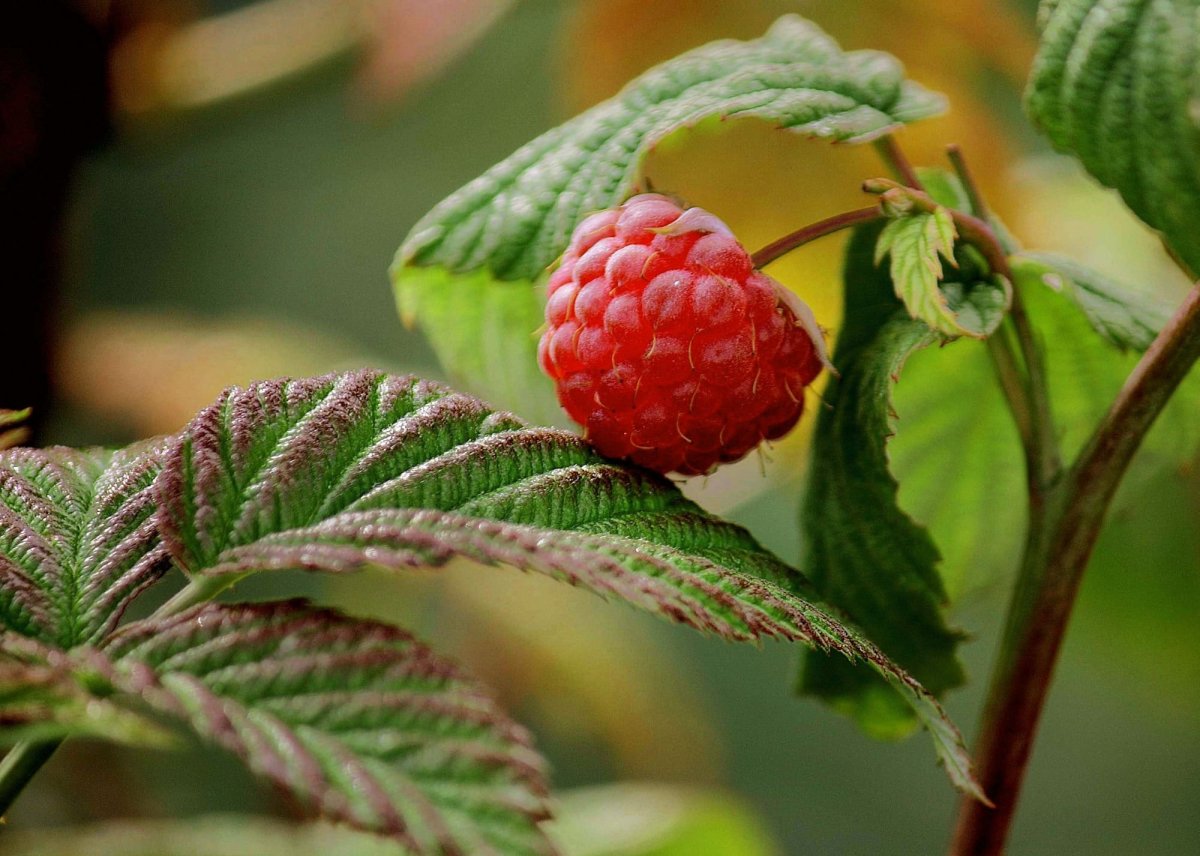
503, 230
77, 539
916, 242
1116, 83
956, 453
45, 694
1126, 319
485, 334
865, 555
1086, 370
354, 718
914, 245
337, 472
957, 458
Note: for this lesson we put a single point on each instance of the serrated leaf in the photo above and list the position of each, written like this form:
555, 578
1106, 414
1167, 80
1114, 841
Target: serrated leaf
916, 245
864, 554
516, 218
337, 472
45, 695
1117, 83
354, 718
77, 539
502, 230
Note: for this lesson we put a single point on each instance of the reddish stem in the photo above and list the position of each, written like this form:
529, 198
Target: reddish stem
1056, 558
820, 229
898, 162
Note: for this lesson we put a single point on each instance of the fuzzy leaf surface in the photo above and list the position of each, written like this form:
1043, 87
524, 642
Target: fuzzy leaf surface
77, 539
500, 232
333, 473
47, 694
354, 718
1116, 83
865, 554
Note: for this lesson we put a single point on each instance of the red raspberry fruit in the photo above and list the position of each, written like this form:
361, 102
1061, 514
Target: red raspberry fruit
666, 344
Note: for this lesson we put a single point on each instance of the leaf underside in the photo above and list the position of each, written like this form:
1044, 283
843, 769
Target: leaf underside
865, 555
1116, 83
478, 254
1095, 330
337, 472
956, 454
77, 539
1125, 319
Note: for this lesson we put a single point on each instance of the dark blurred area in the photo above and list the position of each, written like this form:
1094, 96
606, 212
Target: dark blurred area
197, 194
54, 109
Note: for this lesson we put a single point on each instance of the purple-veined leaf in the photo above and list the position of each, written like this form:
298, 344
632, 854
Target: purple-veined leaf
47, 694
356, 719
77, 539
333, 473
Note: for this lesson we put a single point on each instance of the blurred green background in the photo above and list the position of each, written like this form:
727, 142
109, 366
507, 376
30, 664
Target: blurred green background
239, 224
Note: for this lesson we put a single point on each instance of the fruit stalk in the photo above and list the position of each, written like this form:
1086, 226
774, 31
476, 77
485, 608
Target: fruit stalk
820, 229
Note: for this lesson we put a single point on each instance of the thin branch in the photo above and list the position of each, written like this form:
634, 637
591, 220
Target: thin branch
974, 197
898, 162
799, 238
19, 766
1012, 383
1147, 390
1043, 458
1056, 558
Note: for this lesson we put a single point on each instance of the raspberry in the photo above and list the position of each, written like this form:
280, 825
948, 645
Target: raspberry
667, 346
